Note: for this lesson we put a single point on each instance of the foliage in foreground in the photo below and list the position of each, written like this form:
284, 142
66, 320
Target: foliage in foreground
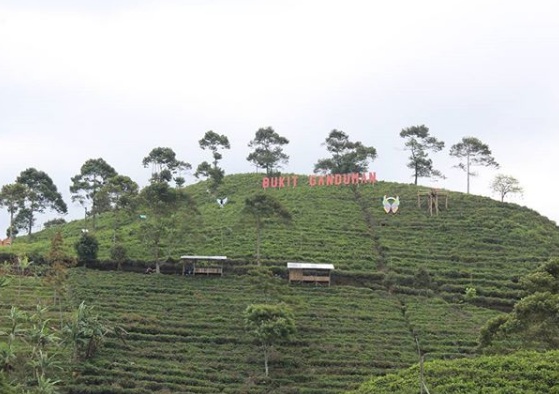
534, 321
521, 373
40, 349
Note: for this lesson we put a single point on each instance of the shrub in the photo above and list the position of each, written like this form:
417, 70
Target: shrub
87, 247
119, 254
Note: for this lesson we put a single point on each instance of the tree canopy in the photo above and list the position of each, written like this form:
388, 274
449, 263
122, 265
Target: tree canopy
94, 174
419, 142
269, 324
12, 197
472, 152
213, 142
165, 167
505, 185
87, 247
535, 318
41, 194
268, 152
119, 192
347, 156
169, 213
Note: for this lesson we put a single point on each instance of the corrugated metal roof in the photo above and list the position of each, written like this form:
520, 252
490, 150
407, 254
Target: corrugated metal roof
204, 257
310, 266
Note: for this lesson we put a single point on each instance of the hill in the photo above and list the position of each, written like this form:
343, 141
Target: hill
399, 278
475, 242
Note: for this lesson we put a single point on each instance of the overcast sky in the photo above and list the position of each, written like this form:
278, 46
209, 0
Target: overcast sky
115, 79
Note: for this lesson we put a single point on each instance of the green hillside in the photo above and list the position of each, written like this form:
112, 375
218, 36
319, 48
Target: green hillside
476, 242
522, 373
399, 278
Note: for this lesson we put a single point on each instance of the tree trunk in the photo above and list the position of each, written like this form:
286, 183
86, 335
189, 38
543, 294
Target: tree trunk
11, 227
157, 268
115, 226
258, 240
266, 356
468, 174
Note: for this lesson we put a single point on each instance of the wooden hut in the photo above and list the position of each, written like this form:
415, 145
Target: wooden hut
309, 272
202, 265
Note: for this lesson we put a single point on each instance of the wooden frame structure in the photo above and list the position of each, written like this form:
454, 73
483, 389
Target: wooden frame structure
310, 272
433, 200
202, 270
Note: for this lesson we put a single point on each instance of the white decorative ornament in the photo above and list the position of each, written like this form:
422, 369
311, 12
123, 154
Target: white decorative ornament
222, 202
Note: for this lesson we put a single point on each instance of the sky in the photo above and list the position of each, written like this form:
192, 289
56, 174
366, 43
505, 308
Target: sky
115, 79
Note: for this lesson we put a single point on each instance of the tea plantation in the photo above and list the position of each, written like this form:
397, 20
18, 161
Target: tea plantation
400, 281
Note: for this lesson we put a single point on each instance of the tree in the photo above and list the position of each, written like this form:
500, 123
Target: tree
54, 222
168, 216
87, 247
418, 142
544, 279
57, 274
535, 318
119, 254
269, 324
260, 207
12, 197
41, 194
56, 252
347, 156
472, 152
120, 194
165, 167
94, 174
506, 184
268, 151
213, 142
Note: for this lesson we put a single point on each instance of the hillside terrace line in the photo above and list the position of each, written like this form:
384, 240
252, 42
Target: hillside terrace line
278, 182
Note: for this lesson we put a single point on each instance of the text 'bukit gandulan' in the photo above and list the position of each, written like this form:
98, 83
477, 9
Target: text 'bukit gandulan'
356, 178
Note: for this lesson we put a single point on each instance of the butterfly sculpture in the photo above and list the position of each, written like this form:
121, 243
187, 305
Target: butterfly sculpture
391, 204
222, 202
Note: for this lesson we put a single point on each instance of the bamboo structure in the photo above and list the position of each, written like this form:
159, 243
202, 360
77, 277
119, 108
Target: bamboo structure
432, 198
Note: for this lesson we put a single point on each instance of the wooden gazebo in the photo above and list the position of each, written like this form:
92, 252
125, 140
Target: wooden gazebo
309, 272
197, 269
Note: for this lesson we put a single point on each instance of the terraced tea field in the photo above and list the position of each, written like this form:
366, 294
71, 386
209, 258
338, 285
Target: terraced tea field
400, 276
186, 335
476, 242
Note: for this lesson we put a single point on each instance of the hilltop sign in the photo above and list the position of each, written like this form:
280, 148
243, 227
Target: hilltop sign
278, 182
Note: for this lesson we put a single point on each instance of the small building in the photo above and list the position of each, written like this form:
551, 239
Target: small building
309, 272
205, 265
